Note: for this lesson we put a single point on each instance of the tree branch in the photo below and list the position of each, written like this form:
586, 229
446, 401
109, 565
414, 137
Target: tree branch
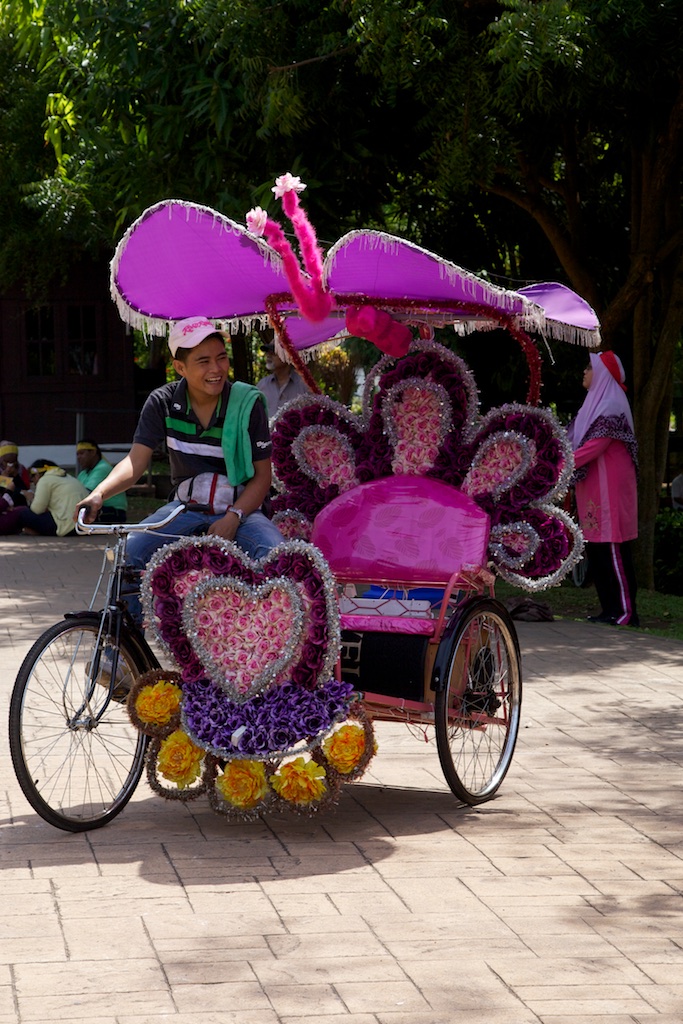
272, 70
580, 278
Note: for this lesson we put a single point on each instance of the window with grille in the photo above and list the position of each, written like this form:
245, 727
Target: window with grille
40, 342
81, 340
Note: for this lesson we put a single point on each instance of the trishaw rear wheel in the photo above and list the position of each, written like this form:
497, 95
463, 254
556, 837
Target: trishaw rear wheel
478, 703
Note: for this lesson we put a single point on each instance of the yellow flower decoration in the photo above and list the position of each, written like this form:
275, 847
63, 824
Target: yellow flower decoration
156, 705
243, 783
179, 760
299, 781
345, 748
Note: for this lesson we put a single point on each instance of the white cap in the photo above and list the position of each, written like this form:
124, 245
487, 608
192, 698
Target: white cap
190, 332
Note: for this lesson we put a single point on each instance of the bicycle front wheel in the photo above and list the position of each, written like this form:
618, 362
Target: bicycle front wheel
477, 708
76, 754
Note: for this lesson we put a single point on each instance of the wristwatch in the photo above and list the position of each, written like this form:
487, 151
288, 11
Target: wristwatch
237, 511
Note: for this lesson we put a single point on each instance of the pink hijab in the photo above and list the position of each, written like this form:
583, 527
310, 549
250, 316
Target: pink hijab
605, 397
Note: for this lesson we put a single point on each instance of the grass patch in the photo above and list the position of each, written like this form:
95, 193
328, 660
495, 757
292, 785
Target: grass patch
660, 614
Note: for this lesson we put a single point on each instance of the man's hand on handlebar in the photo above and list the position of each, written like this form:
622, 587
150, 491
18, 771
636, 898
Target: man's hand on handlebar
91, 507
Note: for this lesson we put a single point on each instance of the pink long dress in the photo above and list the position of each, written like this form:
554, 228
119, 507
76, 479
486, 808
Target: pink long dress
607, 499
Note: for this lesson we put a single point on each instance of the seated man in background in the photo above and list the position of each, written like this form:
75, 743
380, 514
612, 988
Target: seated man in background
93, 469
52, 496
282, 384
14, 478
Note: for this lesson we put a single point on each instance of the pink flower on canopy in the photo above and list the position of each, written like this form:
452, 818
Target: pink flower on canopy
256, 220
287, 183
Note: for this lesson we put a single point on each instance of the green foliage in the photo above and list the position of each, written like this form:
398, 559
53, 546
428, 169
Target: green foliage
668, 560
533, 140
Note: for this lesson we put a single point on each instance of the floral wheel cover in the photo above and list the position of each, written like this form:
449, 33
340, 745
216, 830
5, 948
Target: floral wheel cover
420, 418
253, 715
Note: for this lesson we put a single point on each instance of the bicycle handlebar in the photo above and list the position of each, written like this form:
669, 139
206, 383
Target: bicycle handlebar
121, 528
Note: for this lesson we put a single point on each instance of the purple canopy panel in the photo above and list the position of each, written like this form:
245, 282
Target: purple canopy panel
179, 259
572, 318
305, 335
382, 266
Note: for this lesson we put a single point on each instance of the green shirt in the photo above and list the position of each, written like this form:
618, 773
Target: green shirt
90, 478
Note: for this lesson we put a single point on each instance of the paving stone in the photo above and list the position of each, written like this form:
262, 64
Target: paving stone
555, 903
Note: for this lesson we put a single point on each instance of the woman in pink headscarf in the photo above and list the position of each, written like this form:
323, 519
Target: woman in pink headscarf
606, 454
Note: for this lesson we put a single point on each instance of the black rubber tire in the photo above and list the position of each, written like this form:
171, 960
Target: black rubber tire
76, 754
478, 699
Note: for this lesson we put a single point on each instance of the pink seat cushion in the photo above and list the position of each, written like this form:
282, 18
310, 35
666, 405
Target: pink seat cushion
389, 624
403, 528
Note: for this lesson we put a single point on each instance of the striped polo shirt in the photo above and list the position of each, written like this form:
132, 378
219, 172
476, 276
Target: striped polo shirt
167, 416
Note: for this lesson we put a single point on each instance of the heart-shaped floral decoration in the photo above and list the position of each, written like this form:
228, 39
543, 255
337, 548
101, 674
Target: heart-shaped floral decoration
247, 638
175, 572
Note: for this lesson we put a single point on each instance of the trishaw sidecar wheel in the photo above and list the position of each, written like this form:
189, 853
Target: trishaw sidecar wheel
478, 705
76, 754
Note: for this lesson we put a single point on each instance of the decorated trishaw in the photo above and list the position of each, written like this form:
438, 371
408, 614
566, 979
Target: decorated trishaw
379, 604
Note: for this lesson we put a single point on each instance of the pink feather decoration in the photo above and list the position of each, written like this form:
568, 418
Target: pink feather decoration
380, 328
313, 301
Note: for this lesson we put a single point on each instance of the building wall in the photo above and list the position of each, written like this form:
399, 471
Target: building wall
66, 366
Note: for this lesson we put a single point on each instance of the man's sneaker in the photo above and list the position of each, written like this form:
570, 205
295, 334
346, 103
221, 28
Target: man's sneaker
123, 680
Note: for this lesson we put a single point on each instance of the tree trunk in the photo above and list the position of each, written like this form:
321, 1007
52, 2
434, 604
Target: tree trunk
653, 364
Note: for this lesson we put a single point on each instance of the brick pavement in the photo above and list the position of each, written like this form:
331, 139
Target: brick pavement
559, 902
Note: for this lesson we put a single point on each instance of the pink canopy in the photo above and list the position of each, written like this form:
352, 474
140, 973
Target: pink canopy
179, 259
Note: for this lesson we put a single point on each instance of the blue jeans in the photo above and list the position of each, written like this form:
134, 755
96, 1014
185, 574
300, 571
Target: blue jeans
256, 536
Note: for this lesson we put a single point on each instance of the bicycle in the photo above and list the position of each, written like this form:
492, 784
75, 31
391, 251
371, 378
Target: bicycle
75, 752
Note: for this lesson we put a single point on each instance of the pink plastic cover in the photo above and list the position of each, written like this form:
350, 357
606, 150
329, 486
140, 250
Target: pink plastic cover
402, 528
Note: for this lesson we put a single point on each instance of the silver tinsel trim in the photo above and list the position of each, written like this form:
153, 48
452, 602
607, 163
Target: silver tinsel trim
547, 416
303, 524
301, 457
500, 550
538, 583
439, 352
340, 411
290, 640
486, 451
393, 400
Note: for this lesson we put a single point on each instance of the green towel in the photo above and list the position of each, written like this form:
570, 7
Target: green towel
236, 442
